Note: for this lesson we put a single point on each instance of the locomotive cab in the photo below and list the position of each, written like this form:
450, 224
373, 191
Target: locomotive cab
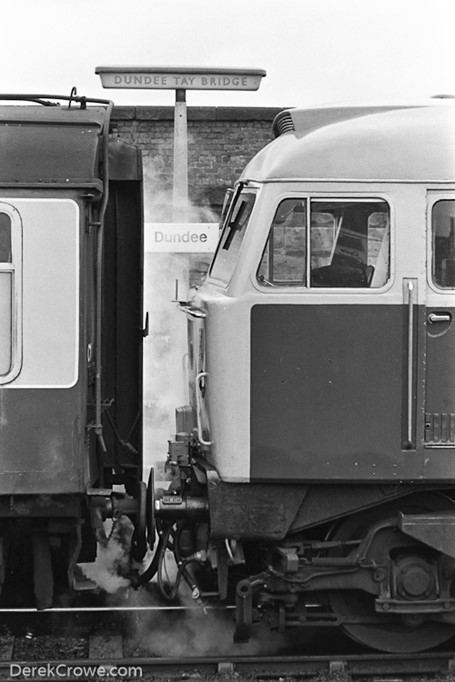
323, 307
321, 424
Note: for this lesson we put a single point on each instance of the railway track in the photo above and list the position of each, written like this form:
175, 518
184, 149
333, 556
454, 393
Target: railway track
38, 647
386, 668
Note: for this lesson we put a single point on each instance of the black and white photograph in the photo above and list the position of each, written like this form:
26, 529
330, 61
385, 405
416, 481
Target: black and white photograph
227, 340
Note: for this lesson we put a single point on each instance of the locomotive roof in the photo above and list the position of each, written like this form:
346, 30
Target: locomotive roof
31, 135
409, 142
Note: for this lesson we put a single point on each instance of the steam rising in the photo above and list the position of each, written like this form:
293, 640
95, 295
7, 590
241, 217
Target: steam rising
192, 632
165, 379
175, 633
180, 632
112, 559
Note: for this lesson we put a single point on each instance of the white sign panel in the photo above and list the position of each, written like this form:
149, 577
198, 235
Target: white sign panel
181, 237
180, 79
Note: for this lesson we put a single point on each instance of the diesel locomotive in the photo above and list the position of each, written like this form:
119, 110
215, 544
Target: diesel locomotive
71, 334
314, 466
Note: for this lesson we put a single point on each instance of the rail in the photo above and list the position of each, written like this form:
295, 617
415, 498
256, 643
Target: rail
252, 667
111, 647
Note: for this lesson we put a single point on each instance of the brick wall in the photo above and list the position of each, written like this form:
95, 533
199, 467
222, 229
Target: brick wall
221, 141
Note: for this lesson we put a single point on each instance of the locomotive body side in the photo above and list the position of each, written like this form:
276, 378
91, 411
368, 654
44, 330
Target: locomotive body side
323, 388
336, 382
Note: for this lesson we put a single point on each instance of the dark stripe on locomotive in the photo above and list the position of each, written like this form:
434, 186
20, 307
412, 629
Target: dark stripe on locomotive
329, 395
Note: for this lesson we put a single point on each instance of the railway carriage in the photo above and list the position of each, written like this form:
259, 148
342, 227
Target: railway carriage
315, 463
70, 339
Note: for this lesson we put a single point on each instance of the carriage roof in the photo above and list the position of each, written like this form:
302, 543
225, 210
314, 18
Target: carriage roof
50, 143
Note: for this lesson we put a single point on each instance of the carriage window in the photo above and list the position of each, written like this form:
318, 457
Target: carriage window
6, 296
231, 238
349, 244
443, 231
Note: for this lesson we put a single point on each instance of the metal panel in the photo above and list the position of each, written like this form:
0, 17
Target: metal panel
42, 439
328, 393
436, 530
30, 136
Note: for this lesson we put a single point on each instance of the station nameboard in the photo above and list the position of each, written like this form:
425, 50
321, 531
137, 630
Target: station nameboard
175, 78
180, 237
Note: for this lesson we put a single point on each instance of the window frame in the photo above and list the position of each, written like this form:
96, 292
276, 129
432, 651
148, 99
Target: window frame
242, 190
15, 269
331, 198
284, 284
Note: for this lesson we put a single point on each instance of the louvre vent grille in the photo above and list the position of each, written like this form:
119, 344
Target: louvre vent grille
440, 429
283, 123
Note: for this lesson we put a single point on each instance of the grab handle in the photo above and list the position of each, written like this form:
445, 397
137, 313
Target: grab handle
198, 409
410, 295
434, 318
193, 311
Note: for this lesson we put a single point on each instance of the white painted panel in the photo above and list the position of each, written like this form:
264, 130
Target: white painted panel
50, 293
6, 317
228, 386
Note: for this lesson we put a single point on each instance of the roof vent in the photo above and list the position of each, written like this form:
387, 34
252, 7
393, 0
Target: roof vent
283, 123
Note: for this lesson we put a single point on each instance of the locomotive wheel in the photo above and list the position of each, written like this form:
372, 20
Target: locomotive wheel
391, 636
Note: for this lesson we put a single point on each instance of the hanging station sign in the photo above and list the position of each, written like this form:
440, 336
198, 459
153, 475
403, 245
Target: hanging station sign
179, 78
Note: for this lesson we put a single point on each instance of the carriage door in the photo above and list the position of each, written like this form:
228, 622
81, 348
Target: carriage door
440, 324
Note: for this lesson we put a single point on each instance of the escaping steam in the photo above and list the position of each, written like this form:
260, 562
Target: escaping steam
173, 632
112, 559
188, 631
165, 349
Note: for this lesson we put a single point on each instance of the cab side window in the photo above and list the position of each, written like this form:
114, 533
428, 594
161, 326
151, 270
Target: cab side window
284, 259
443, 237
349, 244
355, 244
